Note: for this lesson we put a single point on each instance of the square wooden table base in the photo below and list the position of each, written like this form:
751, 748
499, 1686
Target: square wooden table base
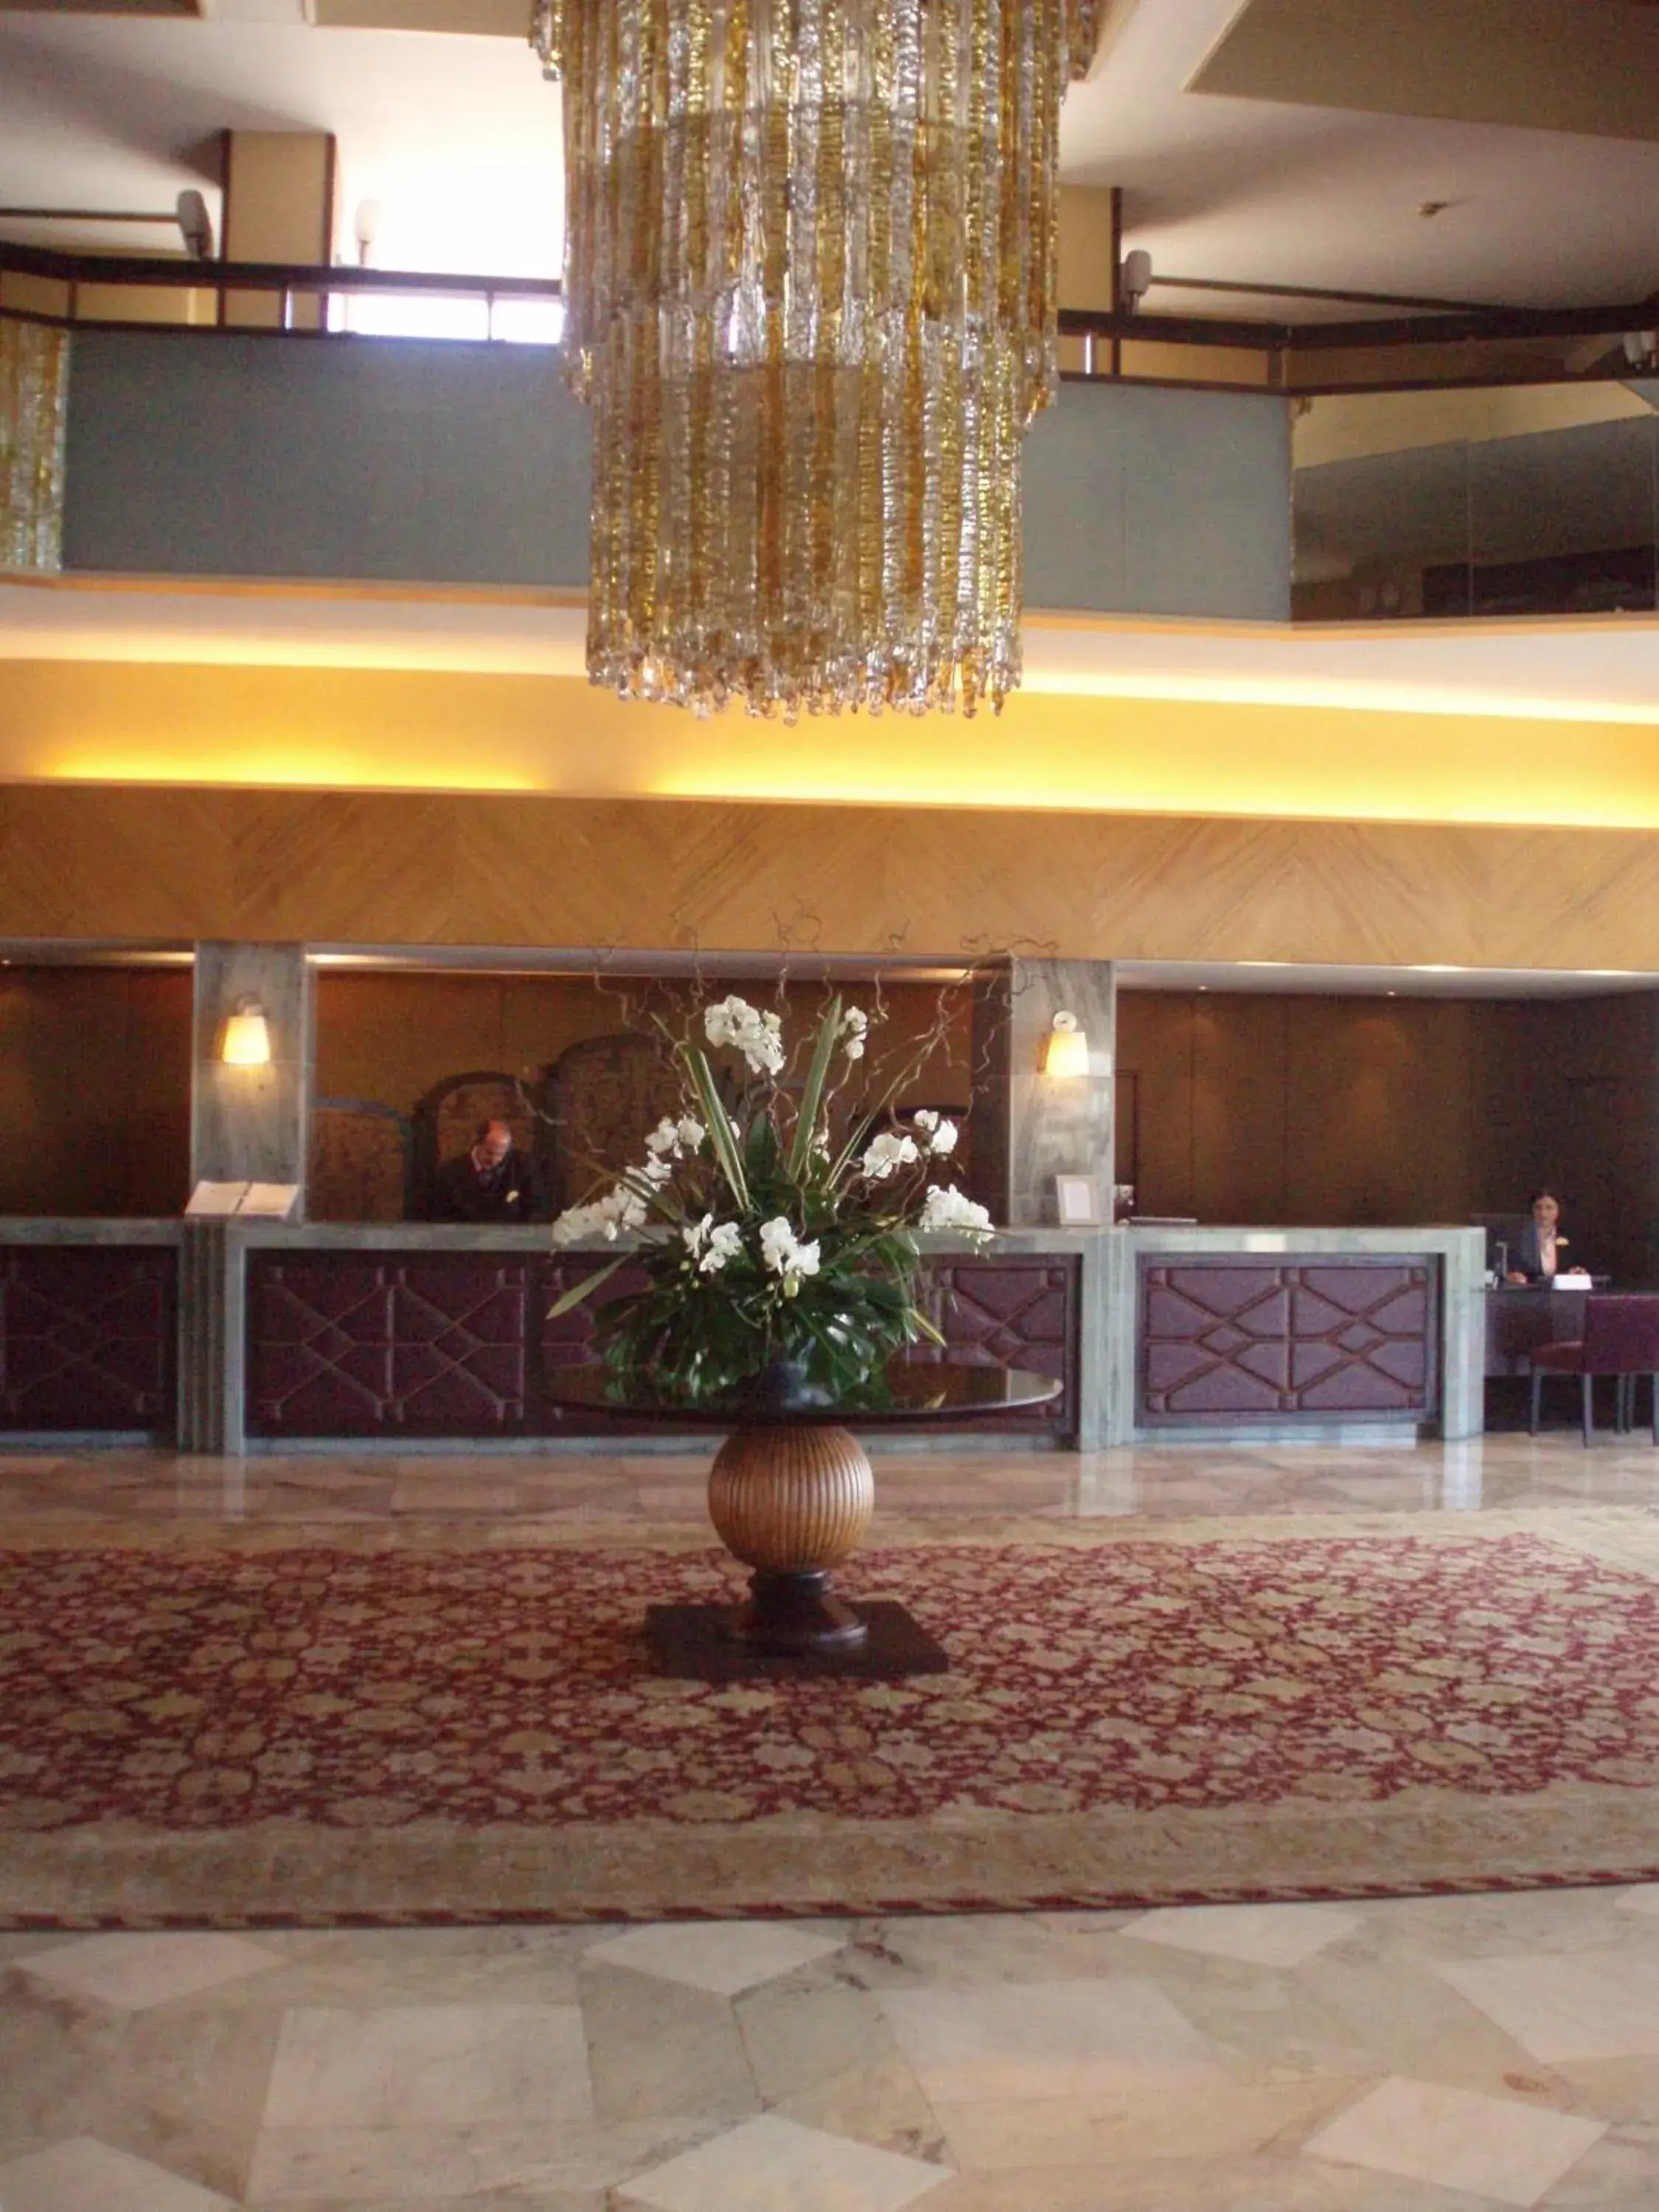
697, 1644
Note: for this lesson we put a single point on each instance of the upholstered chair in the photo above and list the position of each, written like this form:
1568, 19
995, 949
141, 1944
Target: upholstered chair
1620, 1337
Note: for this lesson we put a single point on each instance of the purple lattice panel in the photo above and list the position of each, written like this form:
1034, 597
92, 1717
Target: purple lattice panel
1230, 1340
87, 1338
1011, 1312
573, 1340
345, 1343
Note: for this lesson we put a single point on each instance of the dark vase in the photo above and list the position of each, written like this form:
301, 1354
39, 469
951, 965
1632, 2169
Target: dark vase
782, 1385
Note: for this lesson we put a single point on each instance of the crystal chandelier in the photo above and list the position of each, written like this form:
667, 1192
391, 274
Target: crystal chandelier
810, 298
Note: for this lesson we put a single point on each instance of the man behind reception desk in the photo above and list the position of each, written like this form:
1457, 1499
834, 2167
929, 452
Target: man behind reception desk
1535, 1255
492, 1180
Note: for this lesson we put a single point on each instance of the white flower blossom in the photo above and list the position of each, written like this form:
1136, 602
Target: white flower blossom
621, 1208
886, 1154
724, 1243
855, 1026
785, 1255
658, 1170
665, 1138
696, 1234
924, 1118
690, 1132
943, 1140
625, 1207
756, 1036
576, 1223
948, 1208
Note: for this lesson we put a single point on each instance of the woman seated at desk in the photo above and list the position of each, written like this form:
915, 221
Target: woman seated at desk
1536, 1256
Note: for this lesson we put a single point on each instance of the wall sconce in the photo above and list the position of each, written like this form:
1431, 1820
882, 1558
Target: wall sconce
1066, 1050
248, 1037
1134, 278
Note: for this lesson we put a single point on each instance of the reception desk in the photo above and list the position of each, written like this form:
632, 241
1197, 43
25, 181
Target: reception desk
221, 1338
1318, 1335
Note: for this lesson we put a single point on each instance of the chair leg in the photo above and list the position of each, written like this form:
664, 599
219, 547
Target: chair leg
1587, 1401
1653, 1383
1537, 1395
1622, 1387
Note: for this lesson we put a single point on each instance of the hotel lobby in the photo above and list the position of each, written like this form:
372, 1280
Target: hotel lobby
1267, 1820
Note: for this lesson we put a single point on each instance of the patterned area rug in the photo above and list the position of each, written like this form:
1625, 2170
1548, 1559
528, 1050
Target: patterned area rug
301, 1736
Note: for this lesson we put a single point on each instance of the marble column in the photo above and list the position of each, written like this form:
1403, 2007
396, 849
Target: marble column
1030, 1126
252, 1124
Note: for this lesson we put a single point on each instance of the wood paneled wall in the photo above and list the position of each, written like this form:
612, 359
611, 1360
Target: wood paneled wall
337, 866
390, 1037
1308, 1110
95, 1090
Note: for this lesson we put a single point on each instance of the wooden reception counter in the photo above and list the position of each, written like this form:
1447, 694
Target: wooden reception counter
224, 1338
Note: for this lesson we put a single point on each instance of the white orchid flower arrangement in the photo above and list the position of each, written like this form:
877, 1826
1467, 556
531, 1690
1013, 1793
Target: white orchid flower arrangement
778, 1240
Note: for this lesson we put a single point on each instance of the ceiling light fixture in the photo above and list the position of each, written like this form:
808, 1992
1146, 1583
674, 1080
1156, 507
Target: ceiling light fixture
810, 285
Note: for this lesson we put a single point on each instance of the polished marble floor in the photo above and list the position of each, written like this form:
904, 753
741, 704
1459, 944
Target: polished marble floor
509, 1497
1435, 2055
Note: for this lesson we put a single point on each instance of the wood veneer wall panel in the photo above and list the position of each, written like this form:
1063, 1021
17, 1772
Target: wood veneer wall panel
95, 1090
1292, 1108
1376, 1110
1155, 1045
1238, 1107
113, 861
390, 1037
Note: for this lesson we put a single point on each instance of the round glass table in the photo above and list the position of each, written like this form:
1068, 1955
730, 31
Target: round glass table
790, 1493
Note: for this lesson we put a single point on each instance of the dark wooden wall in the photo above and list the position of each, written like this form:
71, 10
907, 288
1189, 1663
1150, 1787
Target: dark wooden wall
392, 1037
1307, 1109
95, 1090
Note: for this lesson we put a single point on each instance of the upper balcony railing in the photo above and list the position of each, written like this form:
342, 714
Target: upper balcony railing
1427, 346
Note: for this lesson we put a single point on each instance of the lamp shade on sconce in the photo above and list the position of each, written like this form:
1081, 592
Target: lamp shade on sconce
1067, 1049
248, 1037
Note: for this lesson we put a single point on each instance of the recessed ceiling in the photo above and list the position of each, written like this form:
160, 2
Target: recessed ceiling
1589, 67
447, 123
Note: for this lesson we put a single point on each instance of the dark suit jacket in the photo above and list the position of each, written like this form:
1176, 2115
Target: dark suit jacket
507, 1194
1524, 1257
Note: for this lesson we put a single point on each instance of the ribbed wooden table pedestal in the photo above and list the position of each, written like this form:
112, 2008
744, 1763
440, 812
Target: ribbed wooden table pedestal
792, 1504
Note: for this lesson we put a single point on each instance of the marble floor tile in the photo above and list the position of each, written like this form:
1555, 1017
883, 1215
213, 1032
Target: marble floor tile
724, 1956
480, 2164
1204, 2115
1511, 2152
772, 2165
132, 1972
1595, 2004
430, 2065
1015, 2039
84, 2175
660, 2050
1258, 1934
